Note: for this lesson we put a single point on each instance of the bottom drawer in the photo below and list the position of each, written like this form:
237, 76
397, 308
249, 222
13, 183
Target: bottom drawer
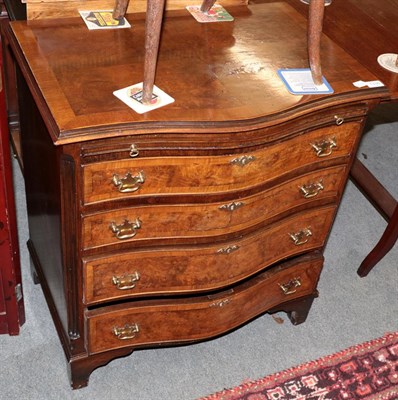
143, 323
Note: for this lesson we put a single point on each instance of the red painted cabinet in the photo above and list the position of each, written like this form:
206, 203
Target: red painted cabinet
12, 314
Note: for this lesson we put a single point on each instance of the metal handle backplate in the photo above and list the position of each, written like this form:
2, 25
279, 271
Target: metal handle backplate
301, 237
126, 230
228, 250
129, 183
232, 206
324, 148
311, 189
126, 332
126, 281
291, 286
243, 160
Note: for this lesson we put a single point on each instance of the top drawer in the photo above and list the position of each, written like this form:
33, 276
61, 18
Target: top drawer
140, 177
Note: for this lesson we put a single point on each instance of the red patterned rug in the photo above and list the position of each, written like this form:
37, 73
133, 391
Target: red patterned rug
366, 371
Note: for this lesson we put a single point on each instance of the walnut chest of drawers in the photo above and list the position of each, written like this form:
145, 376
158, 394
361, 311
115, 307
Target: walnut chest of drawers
186, 222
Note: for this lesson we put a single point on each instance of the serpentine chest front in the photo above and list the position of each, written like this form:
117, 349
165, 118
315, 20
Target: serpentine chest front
186, 222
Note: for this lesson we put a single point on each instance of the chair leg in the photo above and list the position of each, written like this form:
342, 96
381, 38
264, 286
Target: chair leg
153, 25
120, 9
315, 23
206, 5
385, 244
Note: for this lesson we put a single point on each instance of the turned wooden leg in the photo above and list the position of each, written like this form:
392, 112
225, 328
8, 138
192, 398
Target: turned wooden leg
207, 5
153, 25
120, 9
315, 23
385, 244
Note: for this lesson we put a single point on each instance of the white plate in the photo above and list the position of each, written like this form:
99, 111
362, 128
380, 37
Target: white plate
388, 61
327, 2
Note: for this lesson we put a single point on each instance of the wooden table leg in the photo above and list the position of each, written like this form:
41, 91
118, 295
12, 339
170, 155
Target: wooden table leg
153, 25
315, 23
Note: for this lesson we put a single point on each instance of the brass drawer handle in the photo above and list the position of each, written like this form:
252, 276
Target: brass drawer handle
129, 183
339, 120
232, 206
126, 332
243, 160
133, 151
325, 147
228, 250
127, 281
301, 237
127, 230
311, 190
291, 286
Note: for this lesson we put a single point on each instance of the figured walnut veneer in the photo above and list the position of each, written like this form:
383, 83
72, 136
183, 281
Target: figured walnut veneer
231, 190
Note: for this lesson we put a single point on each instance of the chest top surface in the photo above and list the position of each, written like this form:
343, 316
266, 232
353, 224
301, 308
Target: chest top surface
217, 73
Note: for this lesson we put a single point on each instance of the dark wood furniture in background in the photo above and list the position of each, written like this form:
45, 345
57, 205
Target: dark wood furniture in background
386, 204
373, 31
16, 10
12, 313
183, 223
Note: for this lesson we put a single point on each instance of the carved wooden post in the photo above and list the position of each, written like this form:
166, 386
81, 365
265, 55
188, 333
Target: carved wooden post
153, 25
315, 23
206, 5
120, 9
